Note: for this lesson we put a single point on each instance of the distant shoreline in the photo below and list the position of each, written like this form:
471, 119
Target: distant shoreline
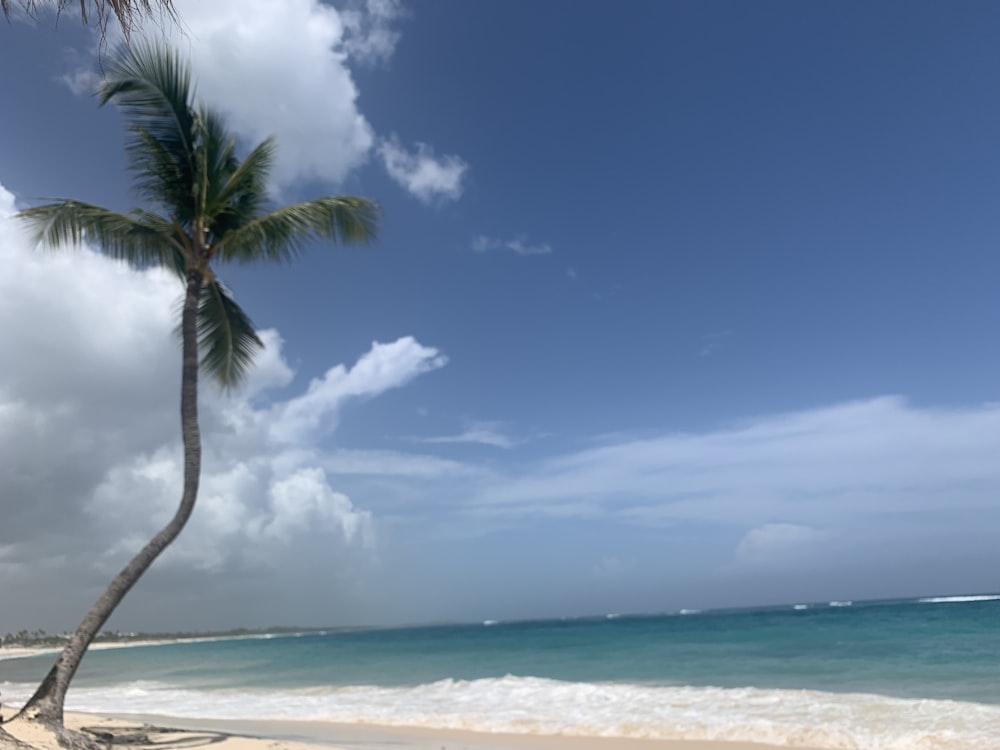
24, 652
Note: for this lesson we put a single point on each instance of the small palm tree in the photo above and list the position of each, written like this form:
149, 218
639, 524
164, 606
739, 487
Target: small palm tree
204, 206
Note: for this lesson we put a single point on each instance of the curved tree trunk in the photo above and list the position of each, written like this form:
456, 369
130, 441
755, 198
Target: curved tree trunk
46, 705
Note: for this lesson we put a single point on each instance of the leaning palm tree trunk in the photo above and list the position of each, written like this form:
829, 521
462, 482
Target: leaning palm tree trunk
46, 705
213, 207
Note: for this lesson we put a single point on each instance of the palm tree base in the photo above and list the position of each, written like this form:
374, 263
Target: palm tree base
53, 734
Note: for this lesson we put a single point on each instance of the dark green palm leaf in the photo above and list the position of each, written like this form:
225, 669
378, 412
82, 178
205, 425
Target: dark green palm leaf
281, 234
135, 239
185, 167
159, 176
244, 195
226, 336
216, 149
151, 85
176, 260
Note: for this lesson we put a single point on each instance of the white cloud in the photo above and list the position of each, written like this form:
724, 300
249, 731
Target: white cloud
428, 177
304, 501
879, 455
283, 69
279, 69
483, 433
390, 463
518, 245
878, 479
370, 37
90, 436
385, 366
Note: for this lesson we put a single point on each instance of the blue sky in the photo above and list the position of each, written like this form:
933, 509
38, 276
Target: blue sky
677, 305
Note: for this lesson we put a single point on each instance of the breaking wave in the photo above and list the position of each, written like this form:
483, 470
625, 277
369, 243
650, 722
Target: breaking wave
529, 705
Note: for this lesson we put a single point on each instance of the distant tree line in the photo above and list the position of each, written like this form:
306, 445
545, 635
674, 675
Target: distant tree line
41, 639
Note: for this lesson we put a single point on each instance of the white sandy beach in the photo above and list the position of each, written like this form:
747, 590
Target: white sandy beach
162, 733
21, 652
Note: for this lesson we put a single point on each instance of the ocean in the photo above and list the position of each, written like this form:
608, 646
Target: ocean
891, 675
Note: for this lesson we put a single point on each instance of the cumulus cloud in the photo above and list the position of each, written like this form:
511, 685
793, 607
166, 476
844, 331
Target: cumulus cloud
283, 69
370, 37
90, 435
264, 482
518, 245
429, 177
280, 69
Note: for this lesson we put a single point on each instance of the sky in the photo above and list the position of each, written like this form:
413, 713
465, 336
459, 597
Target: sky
674, 305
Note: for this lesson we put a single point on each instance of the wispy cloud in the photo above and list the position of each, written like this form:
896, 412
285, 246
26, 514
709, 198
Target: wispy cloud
395, 464
518, 245
711, 342
383, 367
369, 35
832, 468
483, 433
428, 177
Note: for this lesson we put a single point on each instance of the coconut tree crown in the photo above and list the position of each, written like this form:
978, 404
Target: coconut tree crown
203, 204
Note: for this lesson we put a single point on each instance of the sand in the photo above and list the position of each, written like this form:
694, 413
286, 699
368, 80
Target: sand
163, 733
20, 652
170, 733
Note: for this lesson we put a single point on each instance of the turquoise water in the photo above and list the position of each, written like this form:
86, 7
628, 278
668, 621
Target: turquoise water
877, 674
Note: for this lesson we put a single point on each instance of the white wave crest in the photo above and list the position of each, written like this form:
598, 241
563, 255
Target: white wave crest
955, 599
528, 705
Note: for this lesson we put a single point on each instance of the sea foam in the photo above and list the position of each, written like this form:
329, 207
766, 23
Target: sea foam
529, 705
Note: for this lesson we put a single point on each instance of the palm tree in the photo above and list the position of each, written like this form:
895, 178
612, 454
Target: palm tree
204, 205
128, 12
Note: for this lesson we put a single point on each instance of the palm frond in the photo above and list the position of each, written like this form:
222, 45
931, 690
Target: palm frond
129, 13
244, 195
180, 243
151, 85
215, 151
281, 234
136, 239
226, 336
158, 175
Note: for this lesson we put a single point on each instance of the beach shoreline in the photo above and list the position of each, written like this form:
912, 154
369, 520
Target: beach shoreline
24, 652
268, 734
